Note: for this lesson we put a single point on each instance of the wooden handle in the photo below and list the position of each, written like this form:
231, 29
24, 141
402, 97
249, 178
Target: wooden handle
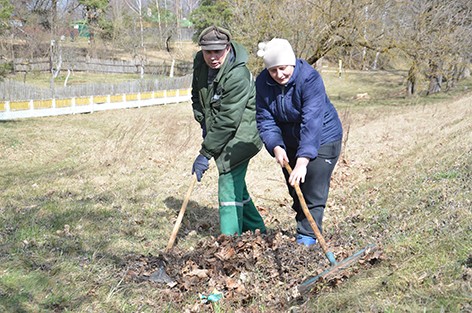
170, 244
307, 213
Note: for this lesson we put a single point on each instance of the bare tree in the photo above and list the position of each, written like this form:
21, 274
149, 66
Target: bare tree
431, 34
187, 6
315, 28
435, 36
137, 7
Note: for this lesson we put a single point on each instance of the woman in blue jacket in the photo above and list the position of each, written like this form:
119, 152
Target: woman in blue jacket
298, 125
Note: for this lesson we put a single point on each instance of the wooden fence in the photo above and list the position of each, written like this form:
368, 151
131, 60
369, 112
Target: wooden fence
10, 110
12, 90
179, 68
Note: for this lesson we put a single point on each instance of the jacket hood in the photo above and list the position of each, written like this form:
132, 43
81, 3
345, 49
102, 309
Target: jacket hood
237, 57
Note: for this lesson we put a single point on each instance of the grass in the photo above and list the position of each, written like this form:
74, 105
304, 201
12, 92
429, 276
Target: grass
422, 211
427, 237
43, 80
384, 88
80, 192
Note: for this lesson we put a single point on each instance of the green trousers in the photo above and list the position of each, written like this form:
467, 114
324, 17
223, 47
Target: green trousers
238, 213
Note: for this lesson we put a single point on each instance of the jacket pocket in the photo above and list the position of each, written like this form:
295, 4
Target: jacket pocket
330, 150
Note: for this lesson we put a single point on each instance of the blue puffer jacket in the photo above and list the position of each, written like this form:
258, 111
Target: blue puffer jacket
298, 116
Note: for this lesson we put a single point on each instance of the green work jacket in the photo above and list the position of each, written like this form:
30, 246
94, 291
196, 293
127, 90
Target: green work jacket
226, 109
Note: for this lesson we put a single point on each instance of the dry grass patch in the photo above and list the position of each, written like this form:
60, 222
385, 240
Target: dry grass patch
82, 193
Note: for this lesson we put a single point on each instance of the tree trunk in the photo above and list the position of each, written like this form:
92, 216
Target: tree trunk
435, 78
454, 77
376, 60
411, 80
435, 84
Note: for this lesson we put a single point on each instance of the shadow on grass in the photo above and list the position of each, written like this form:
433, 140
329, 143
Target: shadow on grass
202, 219
41, 253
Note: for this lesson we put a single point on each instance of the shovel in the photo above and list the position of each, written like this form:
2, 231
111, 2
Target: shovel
336, 267
170, 244
160, 275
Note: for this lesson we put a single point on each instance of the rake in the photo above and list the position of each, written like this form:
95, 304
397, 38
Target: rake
335, 267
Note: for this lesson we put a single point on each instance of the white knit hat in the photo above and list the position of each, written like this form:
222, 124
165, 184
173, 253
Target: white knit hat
276, 52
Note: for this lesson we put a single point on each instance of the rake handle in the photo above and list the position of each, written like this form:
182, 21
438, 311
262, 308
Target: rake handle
310, 219
170, 244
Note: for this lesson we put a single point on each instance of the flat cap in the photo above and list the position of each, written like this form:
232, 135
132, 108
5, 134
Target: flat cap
214, 38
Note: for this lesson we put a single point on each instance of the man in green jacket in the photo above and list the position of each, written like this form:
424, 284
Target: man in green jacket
223, 101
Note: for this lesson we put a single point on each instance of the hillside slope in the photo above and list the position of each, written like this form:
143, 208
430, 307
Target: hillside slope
82, 193
407, 182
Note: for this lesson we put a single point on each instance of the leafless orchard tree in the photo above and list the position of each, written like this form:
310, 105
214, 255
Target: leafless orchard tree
435, 35
315, 28
432, 36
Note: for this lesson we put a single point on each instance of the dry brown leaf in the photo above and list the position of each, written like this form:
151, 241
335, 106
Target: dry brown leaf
248, 266
226, 253
200, 273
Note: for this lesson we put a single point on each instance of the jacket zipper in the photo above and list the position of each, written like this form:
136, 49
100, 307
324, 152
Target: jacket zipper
282, 101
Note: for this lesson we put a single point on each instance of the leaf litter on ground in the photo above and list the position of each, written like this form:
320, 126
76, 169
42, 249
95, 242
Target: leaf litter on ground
266, 268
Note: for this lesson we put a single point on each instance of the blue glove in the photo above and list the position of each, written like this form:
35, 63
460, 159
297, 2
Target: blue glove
200, 165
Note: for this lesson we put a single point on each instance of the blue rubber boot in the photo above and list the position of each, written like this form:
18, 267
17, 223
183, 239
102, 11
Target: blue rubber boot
305, 240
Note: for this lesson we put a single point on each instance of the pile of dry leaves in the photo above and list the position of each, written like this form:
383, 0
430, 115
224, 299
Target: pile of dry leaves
251, 268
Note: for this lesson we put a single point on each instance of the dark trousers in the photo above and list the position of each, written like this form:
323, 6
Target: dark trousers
315, 189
